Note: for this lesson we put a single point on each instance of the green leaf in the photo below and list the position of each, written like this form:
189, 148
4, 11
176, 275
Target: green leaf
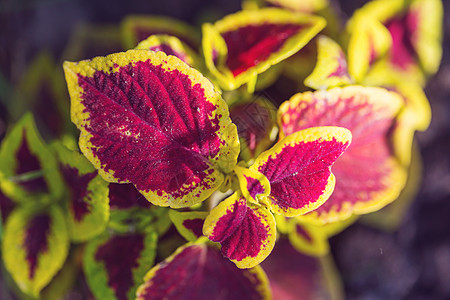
35, 247
86, 195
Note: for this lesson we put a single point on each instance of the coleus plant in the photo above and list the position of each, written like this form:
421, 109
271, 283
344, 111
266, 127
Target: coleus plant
169, 136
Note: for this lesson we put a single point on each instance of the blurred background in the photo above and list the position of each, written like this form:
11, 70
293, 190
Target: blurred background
409, 262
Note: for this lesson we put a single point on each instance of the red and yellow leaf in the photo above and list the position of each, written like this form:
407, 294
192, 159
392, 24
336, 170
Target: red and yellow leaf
199, 271
331, 68
368, 175
246, 232
149, 119
116, 264
34, 247
86, 195
299, 168
29, 171
137, 28
189, 224
255, 187
170, 45
247, 43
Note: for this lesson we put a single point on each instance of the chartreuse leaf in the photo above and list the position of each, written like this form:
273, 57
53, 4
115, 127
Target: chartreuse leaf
256, 121
299, 168
246, 231
115, 264
368, 41
292, 274
86, 194
149, 119
28, 172
34, 247
369, 176
137, 28
170, 45
331, 68
42, 90
189, 224
199, 271
247, 43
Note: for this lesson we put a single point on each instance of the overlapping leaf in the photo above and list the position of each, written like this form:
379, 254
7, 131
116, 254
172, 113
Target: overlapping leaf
414, 28
299, 168
292, 274
137, 28
86, 194
199, 271
189, 224
369, 176
246, 231
116, 264
247, 43
34, 247
149, 119
28, 172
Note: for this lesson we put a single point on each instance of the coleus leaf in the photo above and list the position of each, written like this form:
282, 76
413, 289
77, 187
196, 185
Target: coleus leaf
292, 274
246, 231
369, 176
309, 6
6, 206
415, 28
42, 90
189, 224
247, 43
170, 45
137, 28
125, 196
116, 264
253, 184
331, 68
199, 271
34, 247
149, 119
368, 41
299, 168
28, 172
87, 195
255, 119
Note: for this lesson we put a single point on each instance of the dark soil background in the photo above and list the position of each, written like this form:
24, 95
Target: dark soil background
412, 262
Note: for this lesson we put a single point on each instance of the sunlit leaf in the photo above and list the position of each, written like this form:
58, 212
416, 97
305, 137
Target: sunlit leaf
189, 224
299, 168
116, 264
86, 195
331, 68
247, 43
151, 120
199, 271
246, 231
34, 247
28, 172
368, 175
255, 187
